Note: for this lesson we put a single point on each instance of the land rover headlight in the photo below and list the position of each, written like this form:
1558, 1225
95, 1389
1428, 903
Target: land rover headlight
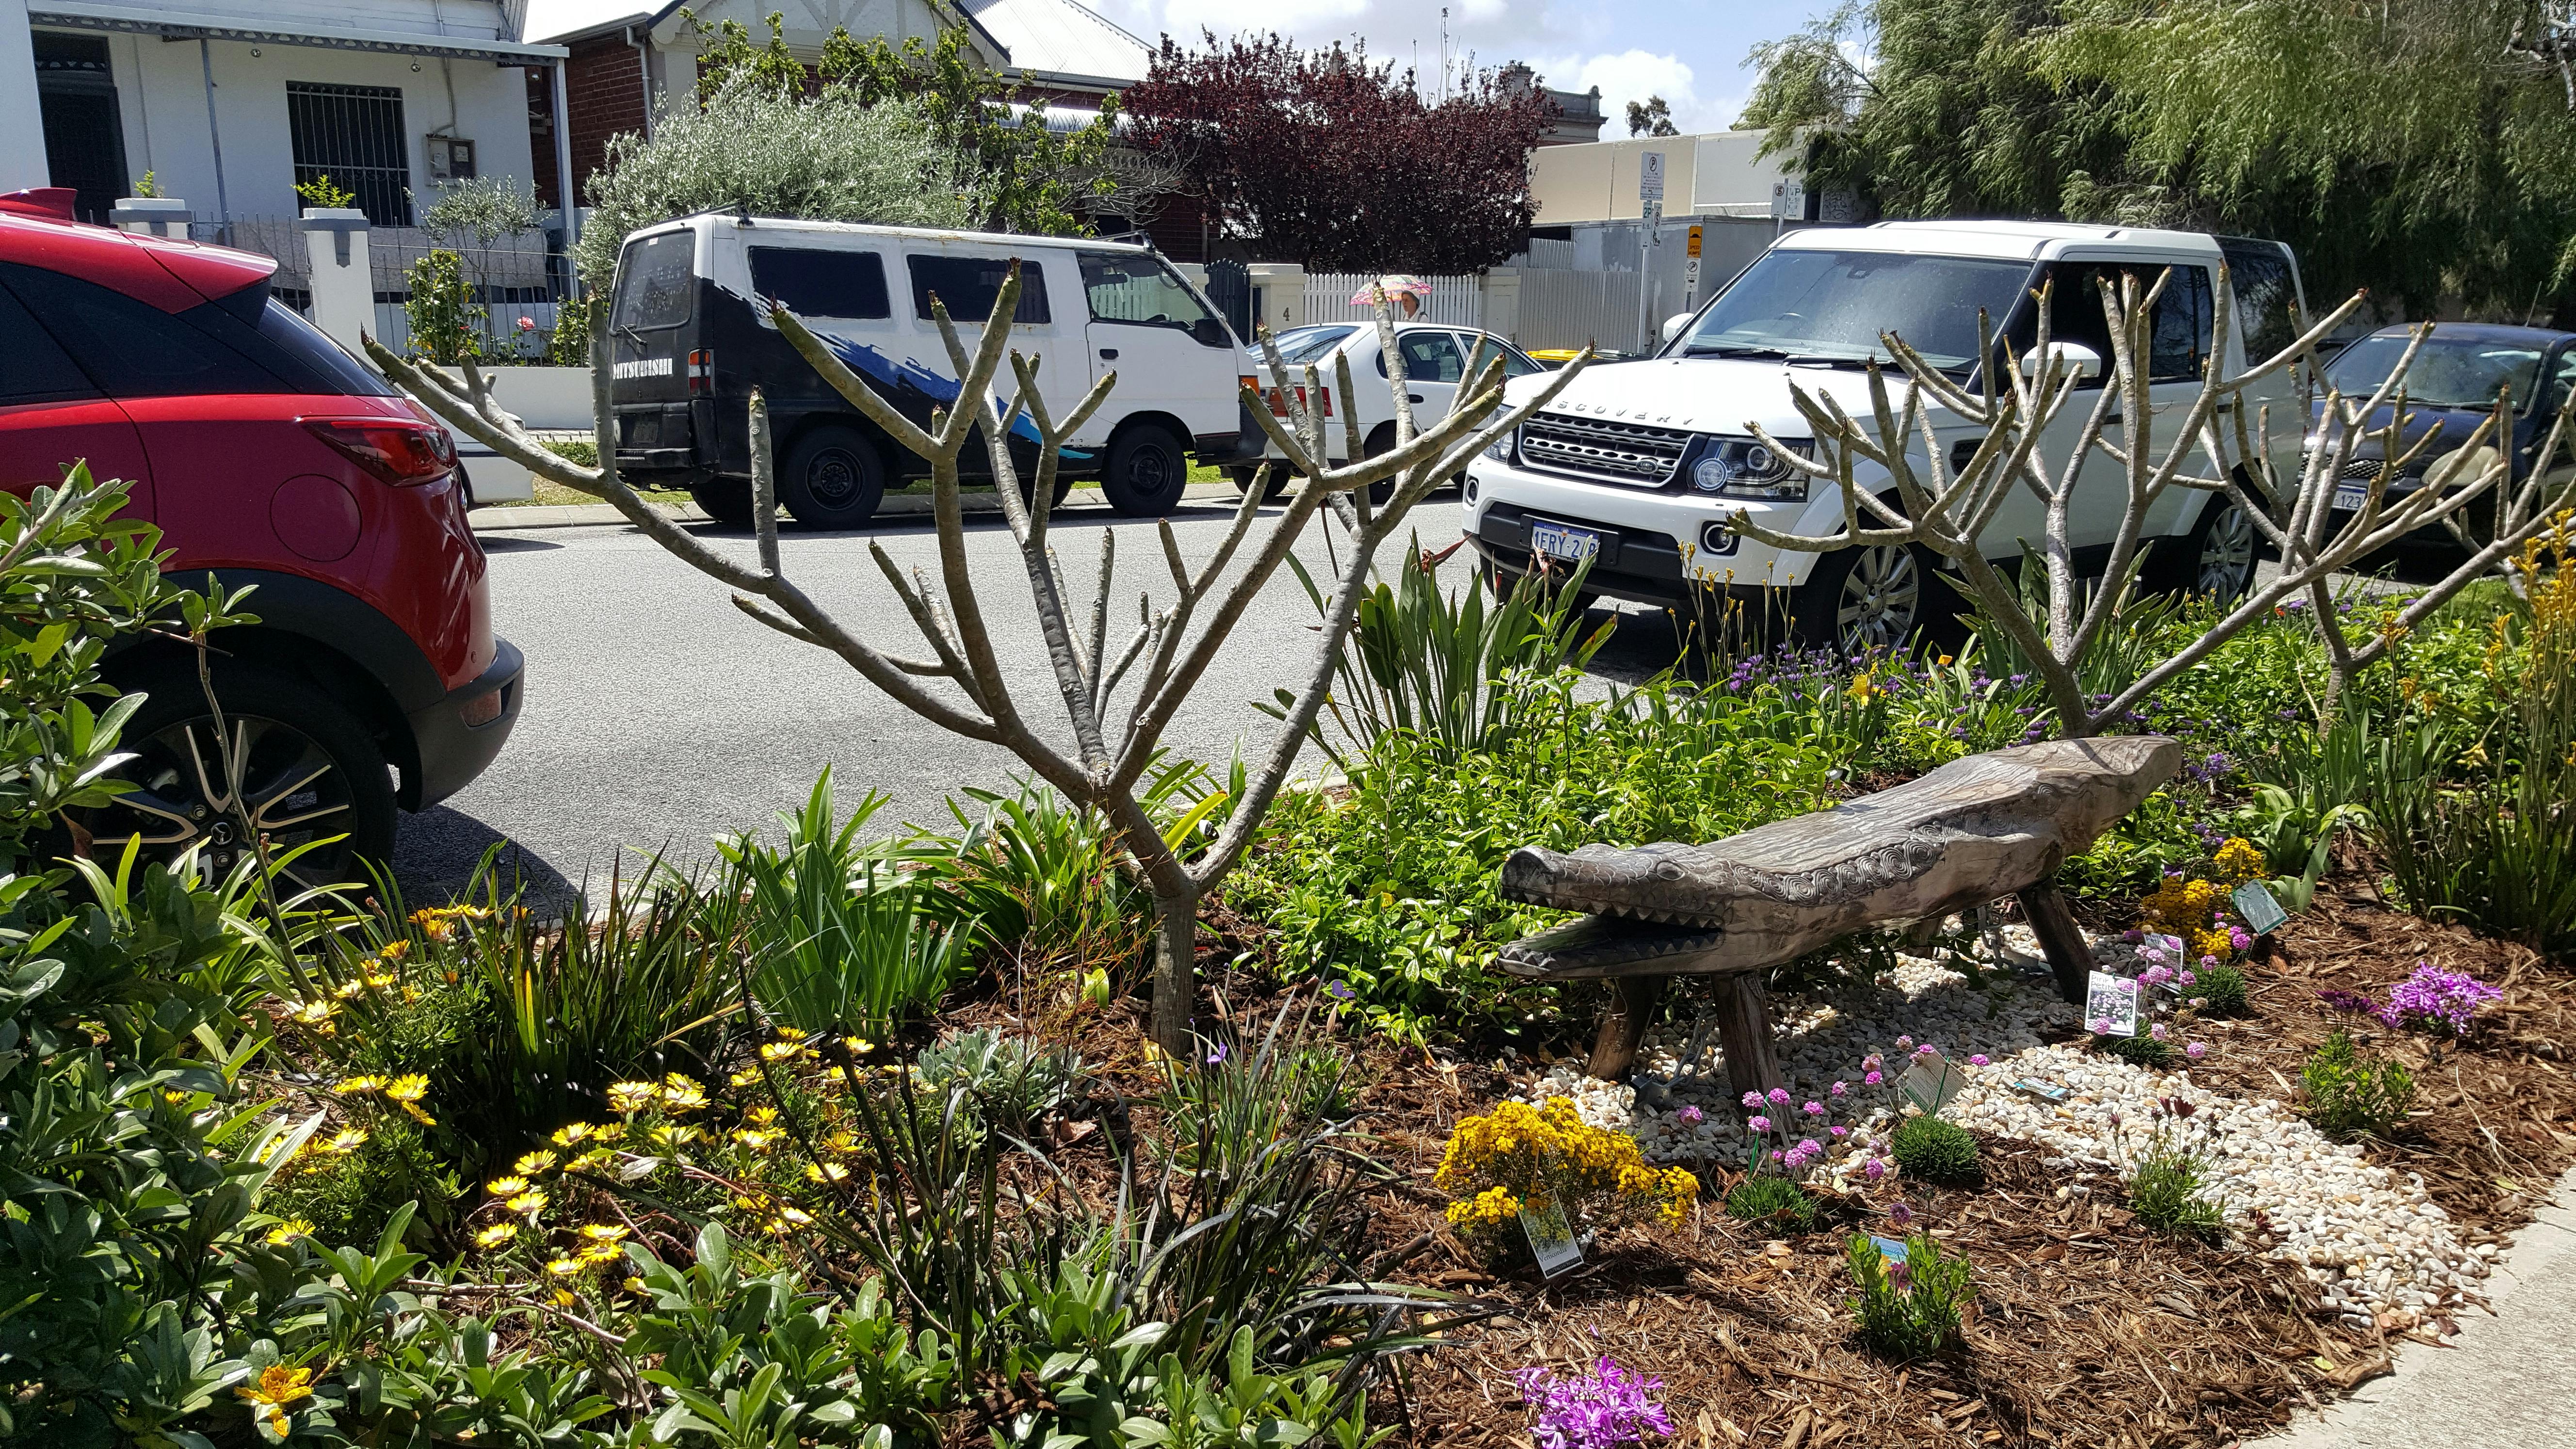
1500, 449
1749, 468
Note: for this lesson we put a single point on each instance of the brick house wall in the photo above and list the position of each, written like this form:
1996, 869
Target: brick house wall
604, 87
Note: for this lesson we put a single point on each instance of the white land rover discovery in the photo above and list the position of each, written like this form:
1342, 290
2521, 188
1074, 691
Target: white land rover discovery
1637, 465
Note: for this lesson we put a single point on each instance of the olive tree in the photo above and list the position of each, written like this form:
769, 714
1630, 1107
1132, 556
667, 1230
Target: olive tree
2215, 448
962, 685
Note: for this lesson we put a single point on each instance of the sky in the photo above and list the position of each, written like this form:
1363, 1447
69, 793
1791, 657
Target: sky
1690, 52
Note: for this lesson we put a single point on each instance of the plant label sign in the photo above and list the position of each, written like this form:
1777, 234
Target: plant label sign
1551, 1240
2163, 951
2044, 1091
1930, 1082
1889, 1249
2111, 1005
2254, 902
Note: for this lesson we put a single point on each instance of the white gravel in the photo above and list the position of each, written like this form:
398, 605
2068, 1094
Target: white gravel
2374, 1243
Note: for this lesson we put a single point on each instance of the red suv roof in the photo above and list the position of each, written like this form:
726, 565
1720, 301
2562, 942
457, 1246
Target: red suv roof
171, 275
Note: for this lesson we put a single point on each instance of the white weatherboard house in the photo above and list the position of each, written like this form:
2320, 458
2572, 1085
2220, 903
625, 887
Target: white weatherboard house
229, 103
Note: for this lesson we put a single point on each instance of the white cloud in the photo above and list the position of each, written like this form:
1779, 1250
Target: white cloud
1636, 75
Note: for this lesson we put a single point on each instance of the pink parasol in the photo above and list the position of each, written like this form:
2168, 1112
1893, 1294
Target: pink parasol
1390, 284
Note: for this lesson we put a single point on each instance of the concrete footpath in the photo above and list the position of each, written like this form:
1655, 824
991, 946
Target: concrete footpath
2505, 1382
512, 517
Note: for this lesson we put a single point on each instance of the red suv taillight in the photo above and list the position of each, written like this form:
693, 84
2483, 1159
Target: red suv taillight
400, 453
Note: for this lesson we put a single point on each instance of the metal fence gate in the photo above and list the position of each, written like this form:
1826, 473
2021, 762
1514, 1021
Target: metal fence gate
1229, 286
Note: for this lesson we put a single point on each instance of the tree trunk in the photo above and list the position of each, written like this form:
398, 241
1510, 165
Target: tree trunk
1176, 936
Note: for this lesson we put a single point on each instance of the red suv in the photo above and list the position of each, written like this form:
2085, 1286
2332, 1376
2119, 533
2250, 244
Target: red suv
266, 455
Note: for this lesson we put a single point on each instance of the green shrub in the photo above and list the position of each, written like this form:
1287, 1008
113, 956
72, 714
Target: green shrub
2222, 987
1910, 1310
569, 344
584, 451
2166, 1194
1766, 1198
445, 320
1012, 1080
2350, 1095
1935, 1151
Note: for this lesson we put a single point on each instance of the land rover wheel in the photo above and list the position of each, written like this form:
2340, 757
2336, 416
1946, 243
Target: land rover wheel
1861, 599
1146, 472
833, 478
2216, 558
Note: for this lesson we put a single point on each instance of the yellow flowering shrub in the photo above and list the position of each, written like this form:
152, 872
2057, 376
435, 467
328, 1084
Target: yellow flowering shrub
2196, 909
1520, 1156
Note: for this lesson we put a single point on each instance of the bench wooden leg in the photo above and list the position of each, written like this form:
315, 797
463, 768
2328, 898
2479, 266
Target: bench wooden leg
1623, 1024
2044, 906
1744, 1029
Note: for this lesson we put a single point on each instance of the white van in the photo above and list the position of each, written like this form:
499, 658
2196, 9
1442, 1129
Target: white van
1636, 466
692, 337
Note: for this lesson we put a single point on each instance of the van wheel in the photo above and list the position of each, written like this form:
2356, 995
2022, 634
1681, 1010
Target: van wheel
1277, 488
833, 479
309, 771
726, 500
1029, 492
1862, 599
1146, 471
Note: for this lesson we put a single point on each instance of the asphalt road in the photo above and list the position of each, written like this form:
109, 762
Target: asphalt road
657, 716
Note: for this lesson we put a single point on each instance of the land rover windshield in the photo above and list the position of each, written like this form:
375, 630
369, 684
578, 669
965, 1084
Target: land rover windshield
1797, 305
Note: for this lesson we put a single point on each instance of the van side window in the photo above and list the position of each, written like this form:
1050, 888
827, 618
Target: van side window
655, 279
1137, 289
968, 285
813, 282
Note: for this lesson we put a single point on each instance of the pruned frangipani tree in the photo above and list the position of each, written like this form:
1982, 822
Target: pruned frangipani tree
2216, 447
962, 685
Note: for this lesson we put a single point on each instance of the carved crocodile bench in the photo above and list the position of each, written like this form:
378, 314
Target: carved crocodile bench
1973, 831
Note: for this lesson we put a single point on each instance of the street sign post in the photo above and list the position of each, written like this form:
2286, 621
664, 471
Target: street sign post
1650, 176
1690, 274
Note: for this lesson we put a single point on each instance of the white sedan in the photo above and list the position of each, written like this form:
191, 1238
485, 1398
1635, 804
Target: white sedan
1435, 363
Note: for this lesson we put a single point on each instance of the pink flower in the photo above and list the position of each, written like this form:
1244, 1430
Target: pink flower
1839, 1131
2101, 1026
2238, 940
1838, 1089
2208, 961
1779, 1096
1979, 1060
1753, 1099
1874, 1169
1758, 1123
2157, 1031
1872, 1062
1814, 1109
1689, 1116
2196, 1050
527, 324
1925, 1050
2189, 979
1872, 1080
1810, 1146
1904, 1043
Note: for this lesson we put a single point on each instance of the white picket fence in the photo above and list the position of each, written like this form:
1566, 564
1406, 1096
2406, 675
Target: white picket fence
1457, 301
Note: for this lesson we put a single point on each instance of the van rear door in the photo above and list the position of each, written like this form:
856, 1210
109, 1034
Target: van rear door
650, 312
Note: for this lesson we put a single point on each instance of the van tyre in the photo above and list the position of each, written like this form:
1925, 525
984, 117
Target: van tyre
726, 500
310, 771
834, 478
1146, 472
1860, 599
1272, 491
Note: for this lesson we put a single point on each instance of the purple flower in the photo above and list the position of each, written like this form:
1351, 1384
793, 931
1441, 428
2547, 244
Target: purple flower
1753, 1099
2196, 1050
2338, 999
1979, 1060
1338, 991
2192, 979
2238, 940
1758, 1123
1689, 1116
1814, 1109
1217, 1056
1606, 1409
2101, 1026
2155, 975
1779, 1096
1839, 1131
1874, 1169
1810, 1146
1899, 1215
1838, 1089
2157, 1031
2443, 1003
2133, 935
1872, 1080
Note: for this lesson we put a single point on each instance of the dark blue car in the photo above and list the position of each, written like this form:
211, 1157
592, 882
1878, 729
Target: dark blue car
2453, 384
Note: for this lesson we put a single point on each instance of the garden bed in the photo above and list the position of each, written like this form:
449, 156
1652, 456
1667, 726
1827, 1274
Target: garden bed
2088, 1328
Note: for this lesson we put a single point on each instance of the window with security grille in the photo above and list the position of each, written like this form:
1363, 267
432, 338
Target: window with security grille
353, 135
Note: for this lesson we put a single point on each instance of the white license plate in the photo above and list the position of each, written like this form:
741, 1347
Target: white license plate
2349, 500
1557, 541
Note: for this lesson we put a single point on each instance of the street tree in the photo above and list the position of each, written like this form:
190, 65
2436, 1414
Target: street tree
2423, 148
1337, 161
962, 684
1652, 117
2220, 444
